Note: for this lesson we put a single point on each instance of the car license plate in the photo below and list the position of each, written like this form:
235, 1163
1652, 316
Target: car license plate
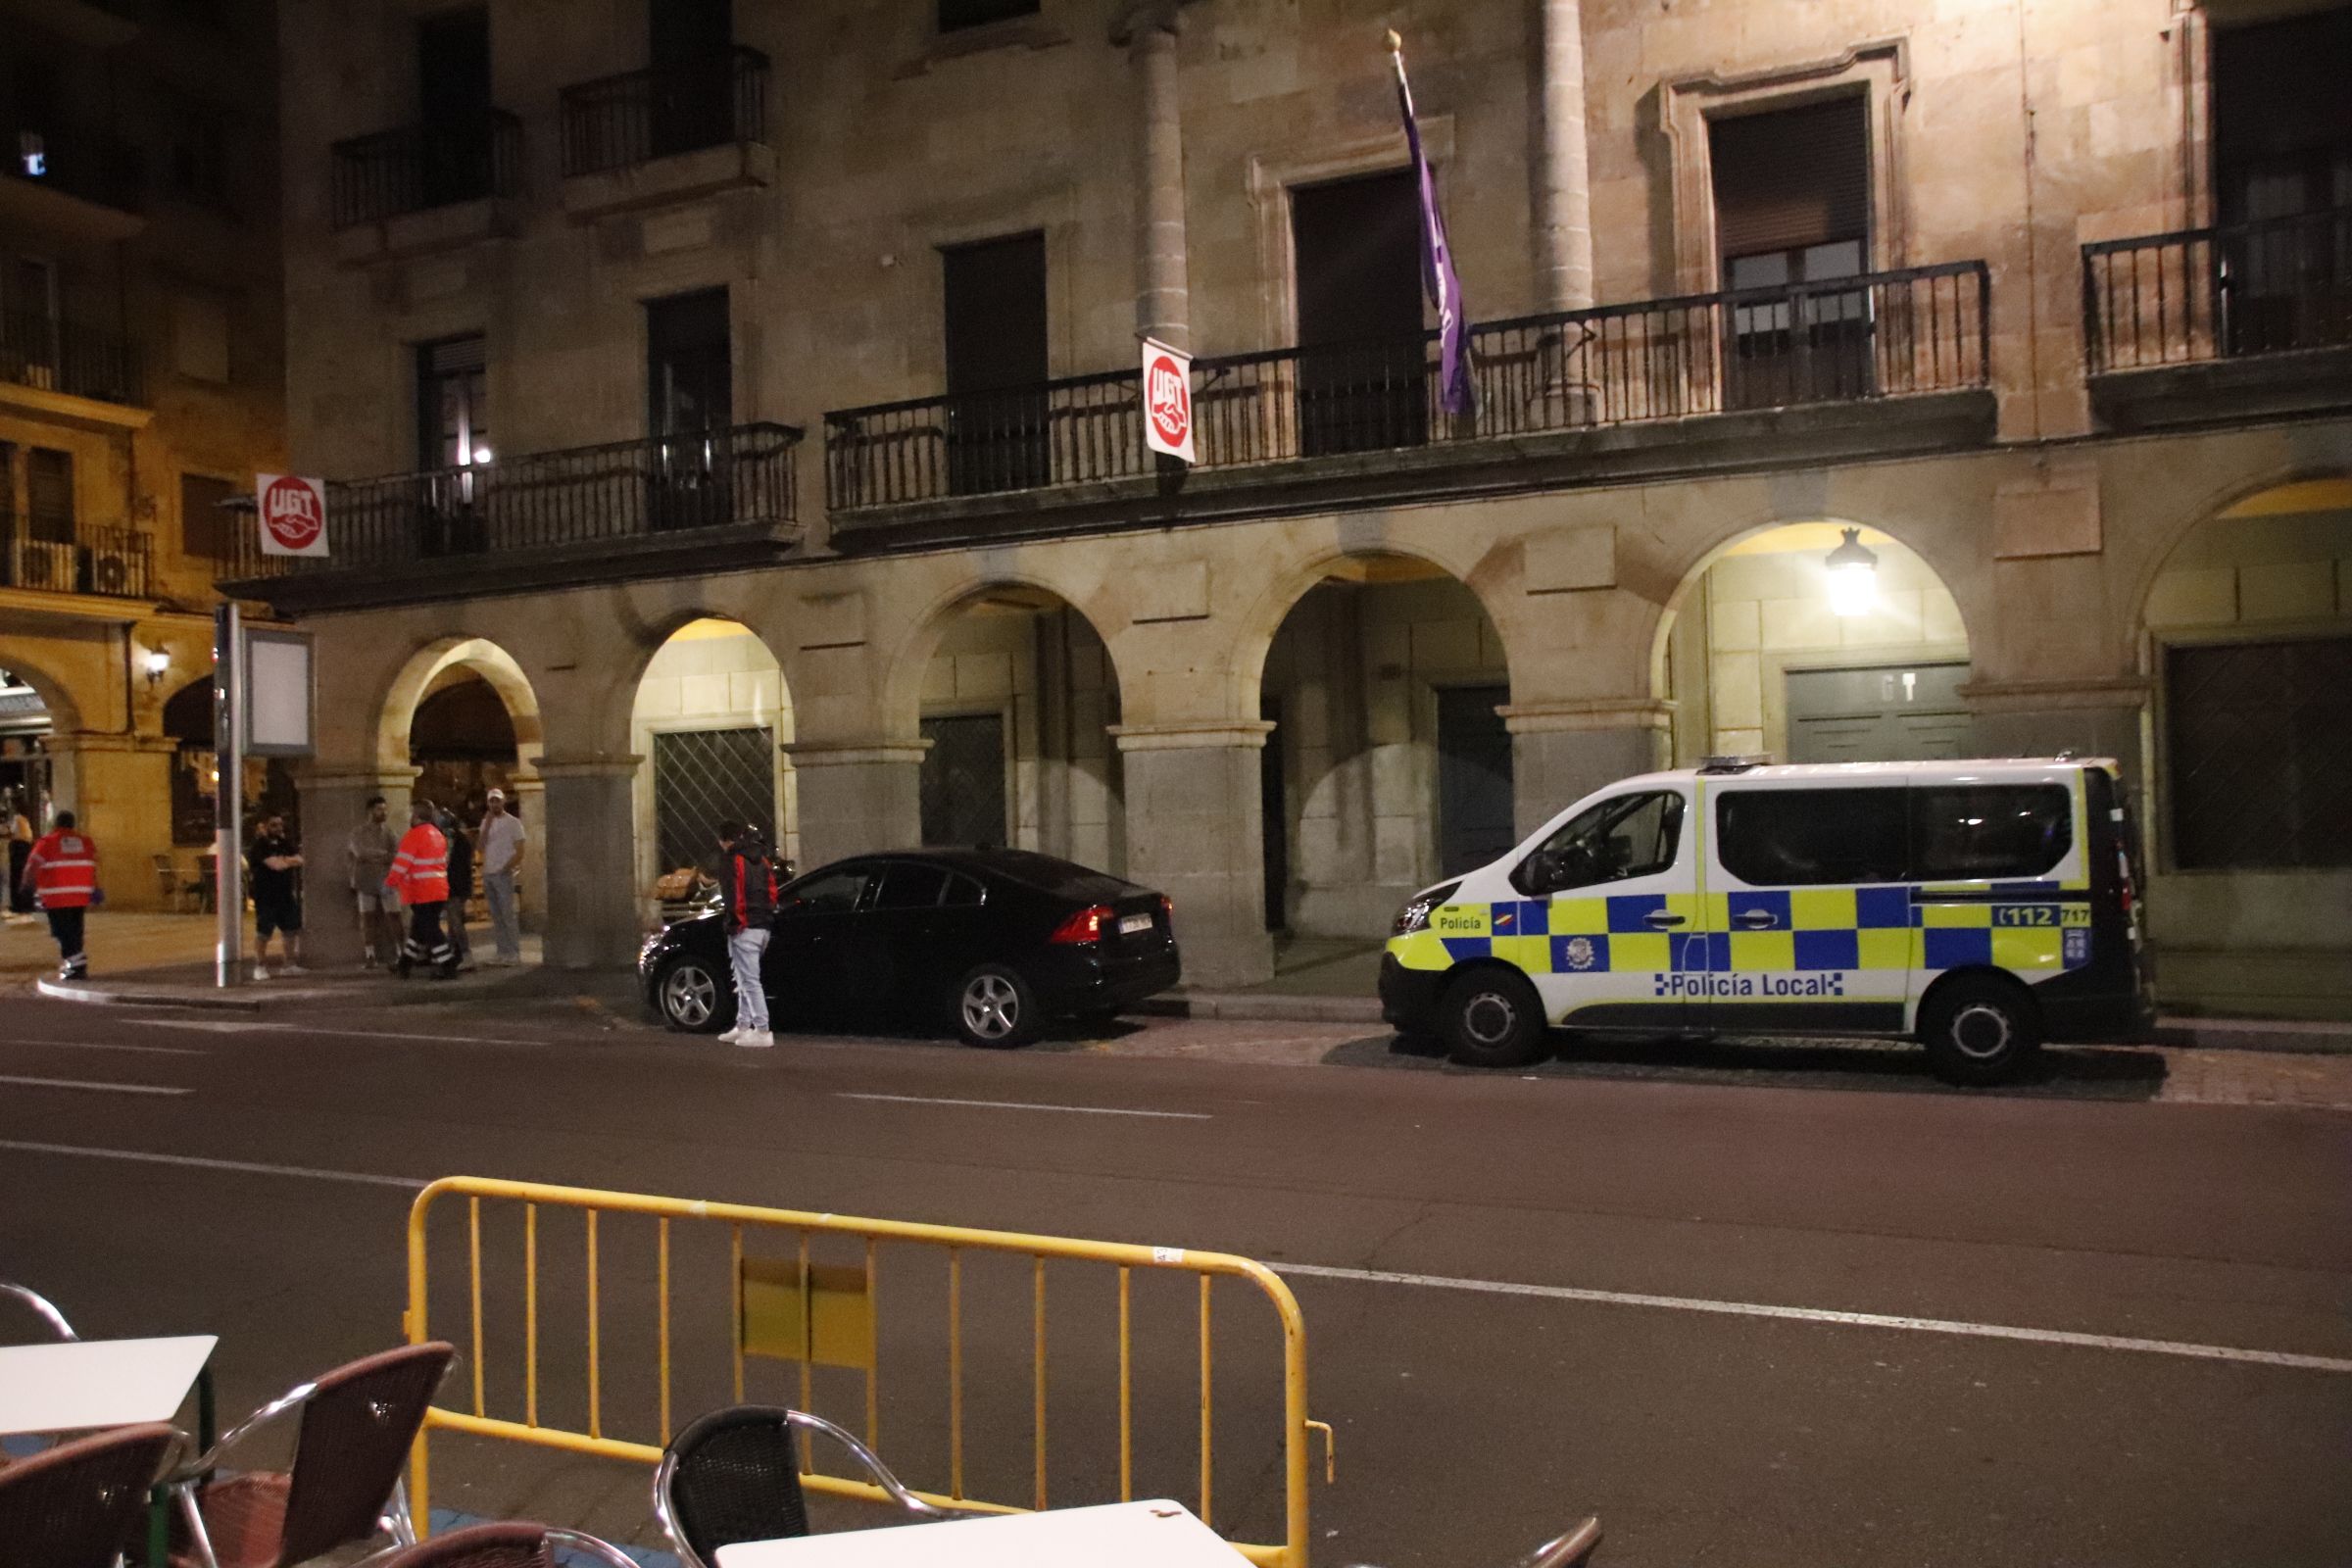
1133, 923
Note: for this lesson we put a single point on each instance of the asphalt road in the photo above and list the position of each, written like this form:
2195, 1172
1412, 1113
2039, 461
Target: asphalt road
1617, 1286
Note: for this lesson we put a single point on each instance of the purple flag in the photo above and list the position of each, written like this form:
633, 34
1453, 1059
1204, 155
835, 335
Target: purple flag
1455, 395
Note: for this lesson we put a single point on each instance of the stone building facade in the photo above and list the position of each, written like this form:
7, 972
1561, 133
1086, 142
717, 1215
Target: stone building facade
809, 332
141, 383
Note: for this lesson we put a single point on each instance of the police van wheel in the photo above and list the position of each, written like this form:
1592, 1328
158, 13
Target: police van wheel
1979, 1030
1492, 1018
695, 998
995, 1008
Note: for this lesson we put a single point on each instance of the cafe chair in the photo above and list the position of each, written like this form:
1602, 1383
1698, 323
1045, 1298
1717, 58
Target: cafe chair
508, 1546
344, 1486
42, 1309
82, 1503
735, 1475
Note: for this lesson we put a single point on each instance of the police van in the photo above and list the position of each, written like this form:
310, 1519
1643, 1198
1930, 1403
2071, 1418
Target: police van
1979, 908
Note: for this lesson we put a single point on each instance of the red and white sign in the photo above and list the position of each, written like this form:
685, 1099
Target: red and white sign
1168, 400
293, 514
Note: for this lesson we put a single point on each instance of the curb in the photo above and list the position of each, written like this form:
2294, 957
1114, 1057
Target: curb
260, 999
96, 997
1269, 1008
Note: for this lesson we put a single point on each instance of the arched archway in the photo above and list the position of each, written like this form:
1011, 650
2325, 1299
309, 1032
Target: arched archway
1388, 765
1814, 642
710, 716
460, 728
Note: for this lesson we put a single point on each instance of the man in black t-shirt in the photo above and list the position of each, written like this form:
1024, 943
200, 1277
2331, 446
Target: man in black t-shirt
272, 876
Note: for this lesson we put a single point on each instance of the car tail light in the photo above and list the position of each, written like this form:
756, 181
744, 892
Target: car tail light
1167, 914
1083, 927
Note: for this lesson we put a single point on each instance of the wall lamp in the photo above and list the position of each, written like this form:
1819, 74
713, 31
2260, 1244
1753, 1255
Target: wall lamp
1853, 576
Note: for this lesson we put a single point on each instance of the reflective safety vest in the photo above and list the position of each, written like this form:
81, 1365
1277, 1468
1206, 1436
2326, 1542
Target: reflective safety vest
64, 868
421, 870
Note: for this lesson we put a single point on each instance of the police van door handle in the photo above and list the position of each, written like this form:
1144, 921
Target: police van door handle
1660, 920
1755, 920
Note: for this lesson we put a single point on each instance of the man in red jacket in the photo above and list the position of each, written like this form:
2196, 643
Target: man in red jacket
421, 877
62, 873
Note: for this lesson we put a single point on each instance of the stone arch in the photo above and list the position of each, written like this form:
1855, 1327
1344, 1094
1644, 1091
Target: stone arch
65, 714
396, 712
2166, 539
694, 709
909, 660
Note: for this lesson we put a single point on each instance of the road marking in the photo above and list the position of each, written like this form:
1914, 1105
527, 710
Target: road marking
1815, 1314
83, 1083
240, 1026
1024, 1104
198, 1162
101, 1044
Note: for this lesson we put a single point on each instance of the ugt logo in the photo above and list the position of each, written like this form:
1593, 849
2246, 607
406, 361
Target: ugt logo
1169, 395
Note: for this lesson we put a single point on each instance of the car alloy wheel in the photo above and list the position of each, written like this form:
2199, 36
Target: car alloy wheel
992, 1008
689, 996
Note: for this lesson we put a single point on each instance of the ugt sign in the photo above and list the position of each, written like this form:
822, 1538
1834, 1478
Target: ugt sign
293, 514
1168, 400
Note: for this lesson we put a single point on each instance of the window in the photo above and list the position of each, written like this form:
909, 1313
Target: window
908, 885
1364, 366
998, 425
1633, 835
200, 336
963, 894
49, 495
704, 777
1792, 207
955, 15
1807, 838
1963, 833
452, 403
197, 168
2258, 755
827, 893
206, 531
689, 364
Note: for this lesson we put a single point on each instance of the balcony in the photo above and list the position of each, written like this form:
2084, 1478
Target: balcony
2213, 325
77, 184
422, 188
631, 509
52, 556
1889, 361
99, 25
49, 365
667, 133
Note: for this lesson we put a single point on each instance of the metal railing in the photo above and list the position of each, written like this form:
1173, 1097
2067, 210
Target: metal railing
417, 168
110, 563
639, 115
1878, 335
50, 355
967, 1310
87, 164
579, 495
2278, 286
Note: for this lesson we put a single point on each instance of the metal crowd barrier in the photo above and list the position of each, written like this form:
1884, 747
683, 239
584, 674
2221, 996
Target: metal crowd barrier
795, 1309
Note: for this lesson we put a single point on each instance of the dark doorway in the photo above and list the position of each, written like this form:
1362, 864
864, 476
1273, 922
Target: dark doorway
693, 89
963, 780
1890, 714
1792, 212
998, 435
1274, 818
1476, 822
702, 777
452, 102
463, 740
2283, 183
2258, 755
1363, 364
689, 404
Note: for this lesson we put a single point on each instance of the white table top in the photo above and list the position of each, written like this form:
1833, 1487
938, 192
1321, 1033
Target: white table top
97, 1383
1124, 1534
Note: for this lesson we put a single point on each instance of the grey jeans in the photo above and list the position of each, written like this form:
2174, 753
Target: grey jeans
505, 928
745, 950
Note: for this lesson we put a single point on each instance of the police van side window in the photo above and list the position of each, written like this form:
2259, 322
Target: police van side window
1990, 832
1809, 837
1633, 835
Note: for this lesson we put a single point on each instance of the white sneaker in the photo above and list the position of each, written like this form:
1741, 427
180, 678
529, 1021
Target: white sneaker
292, 968
261, 971
733, 1034
754, 1037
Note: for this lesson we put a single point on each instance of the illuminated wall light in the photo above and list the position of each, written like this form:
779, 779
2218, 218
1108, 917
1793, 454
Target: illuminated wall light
1853, 576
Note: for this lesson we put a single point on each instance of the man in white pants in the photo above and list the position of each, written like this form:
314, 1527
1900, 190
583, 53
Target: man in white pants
747, 883
503, 847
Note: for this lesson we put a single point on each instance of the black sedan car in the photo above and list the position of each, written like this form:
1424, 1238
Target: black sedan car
996, 942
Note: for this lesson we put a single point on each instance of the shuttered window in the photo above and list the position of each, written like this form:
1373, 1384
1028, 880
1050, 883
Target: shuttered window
1790, 178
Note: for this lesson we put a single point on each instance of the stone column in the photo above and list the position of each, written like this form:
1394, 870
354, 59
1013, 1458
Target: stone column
333, 800
857, 797
1562, 751
529, 805
119, 789
1163, 293
1194, 832
590, 861
1563, 198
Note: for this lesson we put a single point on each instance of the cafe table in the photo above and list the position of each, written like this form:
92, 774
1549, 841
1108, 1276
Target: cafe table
1124, 1534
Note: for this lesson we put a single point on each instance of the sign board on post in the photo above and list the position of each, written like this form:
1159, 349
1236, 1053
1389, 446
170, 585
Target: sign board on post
293, 514
1168, 400
278, 705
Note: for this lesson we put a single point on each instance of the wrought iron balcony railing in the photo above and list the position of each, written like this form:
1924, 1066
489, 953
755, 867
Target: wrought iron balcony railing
550, 503
418, 168
49, 354
2279, 286
1878, 335
624, 121
86, 164
56, 557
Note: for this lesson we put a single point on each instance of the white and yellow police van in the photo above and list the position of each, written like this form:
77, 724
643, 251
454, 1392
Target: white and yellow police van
1977, 906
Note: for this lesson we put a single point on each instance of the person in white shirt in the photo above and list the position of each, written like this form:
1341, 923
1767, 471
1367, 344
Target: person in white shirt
503, 847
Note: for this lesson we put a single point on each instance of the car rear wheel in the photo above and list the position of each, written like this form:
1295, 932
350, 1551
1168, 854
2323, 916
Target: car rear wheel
995, 1008
1979, 1030
694, 997
1492, 1018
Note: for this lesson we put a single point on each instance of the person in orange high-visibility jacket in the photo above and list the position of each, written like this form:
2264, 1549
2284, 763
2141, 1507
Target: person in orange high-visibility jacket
62, 873
421, 877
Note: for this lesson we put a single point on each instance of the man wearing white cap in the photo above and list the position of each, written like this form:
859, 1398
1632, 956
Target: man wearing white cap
502, 850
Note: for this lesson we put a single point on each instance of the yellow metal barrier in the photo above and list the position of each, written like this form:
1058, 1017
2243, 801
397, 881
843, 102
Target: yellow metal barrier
821, 1314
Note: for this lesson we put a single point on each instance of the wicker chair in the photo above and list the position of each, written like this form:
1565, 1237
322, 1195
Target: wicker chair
42, 1309
357, 1423
81, 1504
735, 1475
507, 1545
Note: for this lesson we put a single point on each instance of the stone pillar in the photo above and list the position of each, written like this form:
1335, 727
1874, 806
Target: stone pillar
857, 797
1562, 751
2041, 718
333, 800
1563, 198
1194, 832
119, 789
529, 805
584, 837
1163, 293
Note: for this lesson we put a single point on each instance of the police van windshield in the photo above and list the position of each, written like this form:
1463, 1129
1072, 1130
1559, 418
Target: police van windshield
1630, 836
